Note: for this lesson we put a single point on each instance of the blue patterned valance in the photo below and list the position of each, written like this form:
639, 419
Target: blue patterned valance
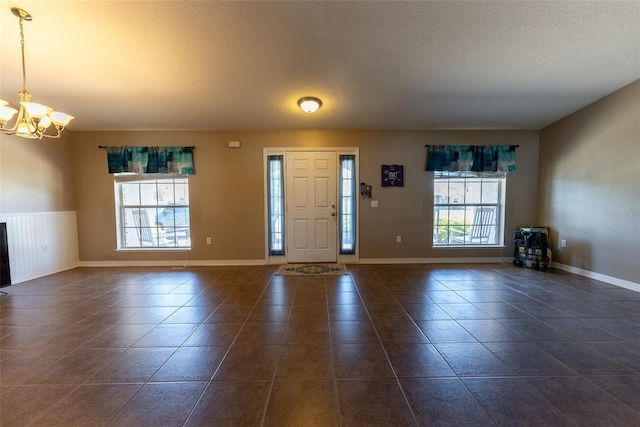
471, 158
143, 160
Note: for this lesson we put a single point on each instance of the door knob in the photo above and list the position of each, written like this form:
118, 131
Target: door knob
333, 214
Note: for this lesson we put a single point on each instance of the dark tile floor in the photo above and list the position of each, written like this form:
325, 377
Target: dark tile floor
387, 345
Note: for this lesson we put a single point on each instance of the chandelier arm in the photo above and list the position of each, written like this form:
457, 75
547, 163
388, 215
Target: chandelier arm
47, 136
41, 133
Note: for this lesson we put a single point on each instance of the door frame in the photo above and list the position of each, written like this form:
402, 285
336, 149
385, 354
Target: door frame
342, 258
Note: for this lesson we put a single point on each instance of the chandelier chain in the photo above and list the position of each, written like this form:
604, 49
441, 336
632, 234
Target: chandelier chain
24, 68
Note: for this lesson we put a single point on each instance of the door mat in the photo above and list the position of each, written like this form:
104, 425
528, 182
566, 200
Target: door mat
312, 270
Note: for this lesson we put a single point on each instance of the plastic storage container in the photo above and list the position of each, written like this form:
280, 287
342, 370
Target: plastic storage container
531, 248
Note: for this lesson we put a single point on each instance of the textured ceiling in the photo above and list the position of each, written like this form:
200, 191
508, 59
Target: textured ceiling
207, 65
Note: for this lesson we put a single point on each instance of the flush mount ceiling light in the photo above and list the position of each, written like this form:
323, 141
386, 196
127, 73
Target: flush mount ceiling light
33, 119
309, 104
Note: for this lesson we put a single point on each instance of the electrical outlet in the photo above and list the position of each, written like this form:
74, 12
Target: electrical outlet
563, 243
208, 240
398, 239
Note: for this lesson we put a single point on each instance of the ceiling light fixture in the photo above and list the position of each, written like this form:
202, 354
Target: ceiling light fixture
33, 119
309, 104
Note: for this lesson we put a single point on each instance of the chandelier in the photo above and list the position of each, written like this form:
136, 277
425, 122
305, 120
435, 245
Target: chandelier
33, 119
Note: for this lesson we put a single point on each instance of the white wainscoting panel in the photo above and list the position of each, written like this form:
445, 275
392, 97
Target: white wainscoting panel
41, 243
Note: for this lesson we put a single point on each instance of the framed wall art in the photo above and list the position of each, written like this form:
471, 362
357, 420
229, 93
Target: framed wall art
392, 175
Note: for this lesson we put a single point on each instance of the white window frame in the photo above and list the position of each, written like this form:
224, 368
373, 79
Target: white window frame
464, 239
160, 242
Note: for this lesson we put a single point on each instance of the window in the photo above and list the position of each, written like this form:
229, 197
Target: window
347, 202
468, 209
275, 196
152, 213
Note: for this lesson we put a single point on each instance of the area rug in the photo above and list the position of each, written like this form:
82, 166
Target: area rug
312, 270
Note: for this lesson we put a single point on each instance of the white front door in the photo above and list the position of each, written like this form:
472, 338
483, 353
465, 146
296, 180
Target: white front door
311, 199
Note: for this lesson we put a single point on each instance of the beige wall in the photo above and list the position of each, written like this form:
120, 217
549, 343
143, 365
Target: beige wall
35, 176
227, 200
589, 185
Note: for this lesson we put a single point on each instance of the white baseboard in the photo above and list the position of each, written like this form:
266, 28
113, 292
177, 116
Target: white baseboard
226, 263
476, 260
32, 276
597, 276
177, 263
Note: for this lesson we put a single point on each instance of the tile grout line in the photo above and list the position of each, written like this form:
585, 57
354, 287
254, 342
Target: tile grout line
211, 379
386, 354
280, 350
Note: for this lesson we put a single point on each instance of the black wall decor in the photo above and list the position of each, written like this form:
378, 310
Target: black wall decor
392, 175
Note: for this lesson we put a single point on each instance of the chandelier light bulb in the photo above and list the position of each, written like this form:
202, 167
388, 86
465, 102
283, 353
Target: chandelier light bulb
44, 123
36, 110
60, 119
6, 113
